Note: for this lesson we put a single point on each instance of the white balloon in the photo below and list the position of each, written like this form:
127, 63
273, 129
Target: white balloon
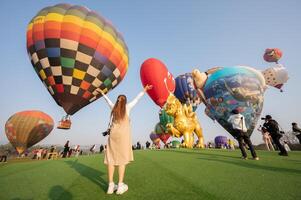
276, 76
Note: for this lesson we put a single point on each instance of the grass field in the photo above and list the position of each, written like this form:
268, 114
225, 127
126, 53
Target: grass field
158, 174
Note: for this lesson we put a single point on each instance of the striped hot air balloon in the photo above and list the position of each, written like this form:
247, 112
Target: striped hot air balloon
155, 138
76, 52
24, 129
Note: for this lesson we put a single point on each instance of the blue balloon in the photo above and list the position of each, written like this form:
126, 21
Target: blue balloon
185, 90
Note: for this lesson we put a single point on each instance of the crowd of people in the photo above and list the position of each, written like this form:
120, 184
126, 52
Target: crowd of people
66, 152
271, 135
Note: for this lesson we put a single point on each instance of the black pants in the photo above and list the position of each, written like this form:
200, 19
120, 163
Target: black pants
3, 158
276, 141
244, 137
299, 137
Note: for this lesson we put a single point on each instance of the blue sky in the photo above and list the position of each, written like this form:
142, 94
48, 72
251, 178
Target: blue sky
183, 34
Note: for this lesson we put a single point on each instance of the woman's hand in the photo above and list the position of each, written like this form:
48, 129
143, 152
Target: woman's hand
148, 87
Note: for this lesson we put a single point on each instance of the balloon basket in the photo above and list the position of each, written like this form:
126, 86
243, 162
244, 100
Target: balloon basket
64, 124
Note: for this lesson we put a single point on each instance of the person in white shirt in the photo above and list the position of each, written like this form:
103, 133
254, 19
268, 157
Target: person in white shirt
240, 133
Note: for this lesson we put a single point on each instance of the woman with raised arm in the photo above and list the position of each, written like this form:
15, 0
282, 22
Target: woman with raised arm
119, 147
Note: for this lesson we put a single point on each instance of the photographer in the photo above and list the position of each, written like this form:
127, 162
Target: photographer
240, 133
296, 130
272, 127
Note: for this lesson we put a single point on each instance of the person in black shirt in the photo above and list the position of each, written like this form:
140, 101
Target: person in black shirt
101, 148
297, 130
272, 127
138, 145
147, 144
66, 149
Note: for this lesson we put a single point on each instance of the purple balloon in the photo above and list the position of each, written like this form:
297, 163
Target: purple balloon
153, 136
220, 141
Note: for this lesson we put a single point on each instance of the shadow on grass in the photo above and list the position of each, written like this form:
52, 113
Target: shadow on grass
201, 153
243, 163
238, 162
58, 192
92, 174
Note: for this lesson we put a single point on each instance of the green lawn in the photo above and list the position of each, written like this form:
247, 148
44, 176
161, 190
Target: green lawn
159, 174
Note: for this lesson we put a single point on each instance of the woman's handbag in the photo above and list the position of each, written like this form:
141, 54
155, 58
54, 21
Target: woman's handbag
108, 131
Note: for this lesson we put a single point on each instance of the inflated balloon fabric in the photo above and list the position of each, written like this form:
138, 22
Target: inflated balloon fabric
75, 51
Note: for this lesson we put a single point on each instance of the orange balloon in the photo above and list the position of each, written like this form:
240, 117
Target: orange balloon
24, 129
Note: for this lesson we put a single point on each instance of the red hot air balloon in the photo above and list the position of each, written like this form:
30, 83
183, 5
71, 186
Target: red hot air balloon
164, 137
154, 72
272, 55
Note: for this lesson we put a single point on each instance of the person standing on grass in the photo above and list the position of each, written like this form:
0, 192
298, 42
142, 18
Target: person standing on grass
92, 149
4, 155
119, 146
101, 148
266, 138
147, 144
297, 131
272, 127
66, 149
240, 133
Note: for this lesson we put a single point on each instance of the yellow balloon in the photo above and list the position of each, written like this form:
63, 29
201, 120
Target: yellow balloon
185, 122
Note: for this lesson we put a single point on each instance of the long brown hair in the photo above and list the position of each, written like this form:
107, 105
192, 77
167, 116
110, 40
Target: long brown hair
119, 110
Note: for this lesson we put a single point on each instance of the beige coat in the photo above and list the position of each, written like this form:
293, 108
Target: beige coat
119, 146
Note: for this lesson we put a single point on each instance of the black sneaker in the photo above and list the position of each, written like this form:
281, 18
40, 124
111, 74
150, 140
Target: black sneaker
282, 154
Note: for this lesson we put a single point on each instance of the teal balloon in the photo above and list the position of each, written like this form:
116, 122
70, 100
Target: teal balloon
237, 87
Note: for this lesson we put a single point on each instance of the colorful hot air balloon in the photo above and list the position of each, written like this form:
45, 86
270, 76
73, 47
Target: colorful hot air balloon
164, 137
209, 114
154, 72
220, 141
272, 55
155, 138
185, 90
161, 132
24, 129
237, 87
76, 52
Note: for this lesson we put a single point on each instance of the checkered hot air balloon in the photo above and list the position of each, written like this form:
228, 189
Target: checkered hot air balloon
76, 53
26, 128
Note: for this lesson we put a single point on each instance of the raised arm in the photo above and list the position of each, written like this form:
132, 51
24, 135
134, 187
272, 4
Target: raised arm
138, 97
135, 101
110, 103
